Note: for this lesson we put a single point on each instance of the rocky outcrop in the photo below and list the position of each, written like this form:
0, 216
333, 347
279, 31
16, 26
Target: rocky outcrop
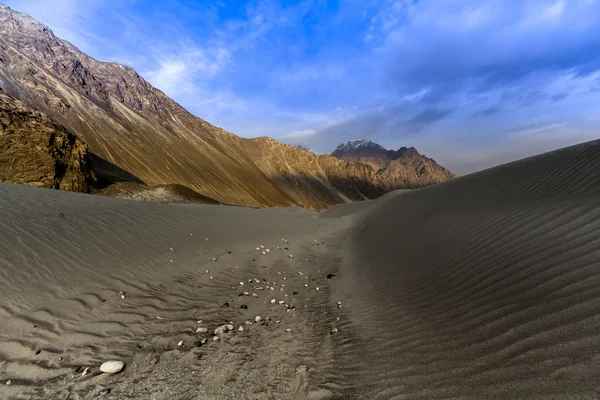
405, 168
36, 151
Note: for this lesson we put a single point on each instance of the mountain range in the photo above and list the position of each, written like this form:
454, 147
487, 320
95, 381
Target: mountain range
123, 137
404, 168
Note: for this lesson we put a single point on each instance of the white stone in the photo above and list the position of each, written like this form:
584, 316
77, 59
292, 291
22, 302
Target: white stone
223, 329
112, 367
201, 330
258, 318
273, 301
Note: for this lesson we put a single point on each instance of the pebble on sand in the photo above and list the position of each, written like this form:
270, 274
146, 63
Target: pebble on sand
254, 295
273, 301
9, 382
123, 295
334, 330
258, 318
288, 329
112, 367
301, 369
214, 258
241, 329
85, 371
223, 329
291, 256
216, 338
202, 330
154, 361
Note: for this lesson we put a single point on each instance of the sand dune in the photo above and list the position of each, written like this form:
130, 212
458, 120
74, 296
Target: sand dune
485, 287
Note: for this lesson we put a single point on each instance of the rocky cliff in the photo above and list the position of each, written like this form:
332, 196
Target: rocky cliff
36, 151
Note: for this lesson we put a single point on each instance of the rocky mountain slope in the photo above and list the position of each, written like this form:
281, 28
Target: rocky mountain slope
36, 151
404, 168
145, 137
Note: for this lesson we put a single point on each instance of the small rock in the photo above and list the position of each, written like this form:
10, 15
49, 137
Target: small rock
112, 367
154, 361
214, 258
264, 253
123, 295
301, 369
241, 329
334, 330
258, 318
273, 301
291, 256
254, 295
281, 302
248, 323
216, 338
329, 276
317, 288
203, 341
246, 294
243, 306
211, 277
223, 329
9, 382
288, 329
180, 343
85, 371
258, 249
202, 330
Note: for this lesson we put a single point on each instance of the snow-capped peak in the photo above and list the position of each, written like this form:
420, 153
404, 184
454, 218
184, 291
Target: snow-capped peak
359, 144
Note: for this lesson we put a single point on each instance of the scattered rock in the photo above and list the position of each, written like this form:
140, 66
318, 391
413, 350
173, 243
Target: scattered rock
202, 330
300, 369
9, 382
273, 301
214, 258
254, 295
112, 367
154, 360
288, 329
258, 318
329, 276
334, 330
223, 329
264, 253
243, 306
241, 329
123, 295
291, 256
85, 371
216, 338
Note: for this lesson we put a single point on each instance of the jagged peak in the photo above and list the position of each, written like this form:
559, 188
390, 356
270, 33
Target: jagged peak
359, 144
24, 21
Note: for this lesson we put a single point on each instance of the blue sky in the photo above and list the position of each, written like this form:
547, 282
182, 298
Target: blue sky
470, 83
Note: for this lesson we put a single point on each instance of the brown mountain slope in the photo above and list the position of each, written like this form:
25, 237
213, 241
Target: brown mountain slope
38, 152
401, 169
129, 123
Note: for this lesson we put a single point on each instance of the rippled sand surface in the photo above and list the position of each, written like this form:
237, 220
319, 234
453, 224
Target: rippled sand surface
485, 287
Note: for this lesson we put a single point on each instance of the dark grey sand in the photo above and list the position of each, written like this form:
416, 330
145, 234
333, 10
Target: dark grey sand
486, 287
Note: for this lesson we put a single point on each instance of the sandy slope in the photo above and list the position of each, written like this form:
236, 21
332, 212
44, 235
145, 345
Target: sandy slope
486, 287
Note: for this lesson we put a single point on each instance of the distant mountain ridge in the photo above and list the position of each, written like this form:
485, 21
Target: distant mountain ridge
399, 169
